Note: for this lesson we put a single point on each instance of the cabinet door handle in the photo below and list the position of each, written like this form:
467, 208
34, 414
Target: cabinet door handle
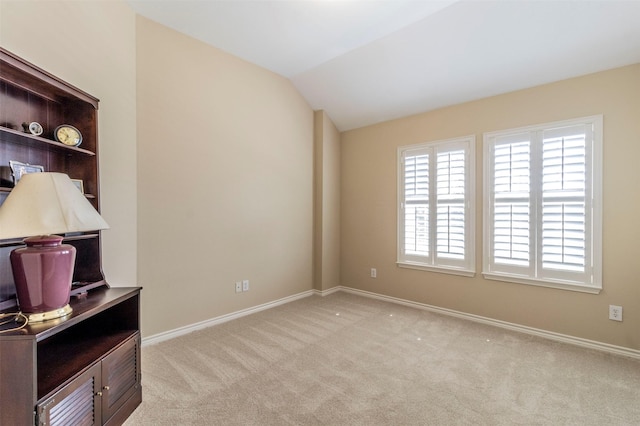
106, 388
99, 393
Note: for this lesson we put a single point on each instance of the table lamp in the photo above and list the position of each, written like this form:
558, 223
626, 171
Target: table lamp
42, 204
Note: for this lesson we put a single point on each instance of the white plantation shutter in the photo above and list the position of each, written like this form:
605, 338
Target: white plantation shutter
542, 218
511, 189
435, 212
450, 175
416, 203
564, 203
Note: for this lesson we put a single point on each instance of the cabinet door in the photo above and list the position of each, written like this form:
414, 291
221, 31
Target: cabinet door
120, 376
77, 404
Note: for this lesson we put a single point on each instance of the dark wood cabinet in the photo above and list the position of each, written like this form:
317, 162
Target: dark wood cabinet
106, 393
83, 368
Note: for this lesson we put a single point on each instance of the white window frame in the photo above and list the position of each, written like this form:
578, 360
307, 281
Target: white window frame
590, 279
434, 262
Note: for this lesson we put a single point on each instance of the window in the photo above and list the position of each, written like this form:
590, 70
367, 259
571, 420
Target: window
542, 213
436, 213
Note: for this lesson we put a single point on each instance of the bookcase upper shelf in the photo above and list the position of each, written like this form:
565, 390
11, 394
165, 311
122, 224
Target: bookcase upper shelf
18, 137
30, 94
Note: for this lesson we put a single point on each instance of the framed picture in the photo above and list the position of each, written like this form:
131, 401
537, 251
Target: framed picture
18, 169
79, 184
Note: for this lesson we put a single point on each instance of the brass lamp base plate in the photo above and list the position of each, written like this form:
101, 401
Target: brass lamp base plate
45, 316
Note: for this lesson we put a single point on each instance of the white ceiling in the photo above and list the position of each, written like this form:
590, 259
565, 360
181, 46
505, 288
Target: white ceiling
367, 61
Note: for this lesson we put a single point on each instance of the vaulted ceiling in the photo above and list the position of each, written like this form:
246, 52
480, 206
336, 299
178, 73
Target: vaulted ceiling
366, 61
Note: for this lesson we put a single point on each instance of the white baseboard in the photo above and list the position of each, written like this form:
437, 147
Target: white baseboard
329, 291
167, 335
577, 341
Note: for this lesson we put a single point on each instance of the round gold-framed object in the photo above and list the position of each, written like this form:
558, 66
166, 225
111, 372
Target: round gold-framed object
68, 135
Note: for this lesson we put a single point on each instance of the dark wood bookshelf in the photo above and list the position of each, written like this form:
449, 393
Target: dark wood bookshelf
59, 372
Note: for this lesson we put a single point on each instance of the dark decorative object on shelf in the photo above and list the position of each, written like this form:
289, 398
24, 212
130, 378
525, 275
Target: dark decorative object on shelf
34, 128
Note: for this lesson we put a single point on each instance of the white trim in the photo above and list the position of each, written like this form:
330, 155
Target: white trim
167, 335
327, 292
518, 279
576, 341
439, 269
539, 126
572, 340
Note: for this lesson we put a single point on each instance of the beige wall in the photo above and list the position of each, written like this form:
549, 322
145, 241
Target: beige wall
326, 218
225, 174
224, 191
94, 51
369, 208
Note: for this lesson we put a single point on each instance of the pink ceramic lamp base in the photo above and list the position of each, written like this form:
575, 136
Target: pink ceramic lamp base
43, 271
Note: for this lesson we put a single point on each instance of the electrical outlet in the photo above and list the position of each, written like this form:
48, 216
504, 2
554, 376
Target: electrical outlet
615, 313
238, 287
245, 285
374, 273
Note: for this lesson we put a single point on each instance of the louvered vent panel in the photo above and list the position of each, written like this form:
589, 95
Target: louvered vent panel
123, 374
76, 409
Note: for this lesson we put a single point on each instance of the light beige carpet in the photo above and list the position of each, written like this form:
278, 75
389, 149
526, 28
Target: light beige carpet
348, 360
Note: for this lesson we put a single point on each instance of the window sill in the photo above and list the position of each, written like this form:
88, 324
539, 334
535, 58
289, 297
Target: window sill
438, 269
560, 285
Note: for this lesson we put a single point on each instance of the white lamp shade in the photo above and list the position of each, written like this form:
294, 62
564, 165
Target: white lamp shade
47, 203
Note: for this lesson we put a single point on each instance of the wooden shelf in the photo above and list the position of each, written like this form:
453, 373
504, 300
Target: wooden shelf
6, 189
97, 301
16, 242
18, 137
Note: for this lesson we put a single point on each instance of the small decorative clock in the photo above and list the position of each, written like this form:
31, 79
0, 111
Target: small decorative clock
68, 135
34, 128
